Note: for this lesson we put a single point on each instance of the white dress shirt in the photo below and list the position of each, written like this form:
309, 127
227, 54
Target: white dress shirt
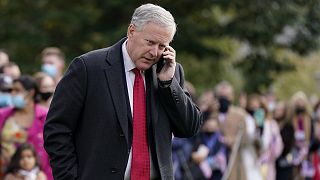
130, 76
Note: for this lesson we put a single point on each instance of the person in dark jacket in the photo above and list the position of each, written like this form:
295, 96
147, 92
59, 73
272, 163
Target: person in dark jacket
115, 110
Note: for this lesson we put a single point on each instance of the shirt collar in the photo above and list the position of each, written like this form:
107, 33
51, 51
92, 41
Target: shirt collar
128, 63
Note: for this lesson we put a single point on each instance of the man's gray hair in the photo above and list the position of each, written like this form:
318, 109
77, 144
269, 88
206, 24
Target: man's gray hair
147, 13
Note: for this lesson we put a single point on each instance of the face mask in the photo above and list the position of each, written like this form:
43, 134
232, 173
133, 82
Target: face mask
271, 106
224, 104
250, 112
209, 133
18, 101
5, 100
259, 116
300, 110
45, 95
49, 69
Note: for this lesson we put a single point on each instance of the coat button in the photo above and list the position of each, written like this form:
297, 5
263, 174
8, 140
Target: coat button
114, 170
121, 135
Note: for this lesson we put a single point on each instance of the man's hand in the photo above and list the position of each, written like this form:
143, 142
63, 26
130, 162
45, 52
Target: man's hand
167, 72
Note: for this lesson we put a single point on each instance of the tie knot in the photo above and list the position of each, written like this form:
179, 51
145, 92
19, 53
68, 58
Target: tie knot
136, 71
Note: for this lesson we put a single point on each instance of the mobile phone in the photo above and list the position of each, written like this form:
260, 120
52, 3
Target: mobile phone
161, 63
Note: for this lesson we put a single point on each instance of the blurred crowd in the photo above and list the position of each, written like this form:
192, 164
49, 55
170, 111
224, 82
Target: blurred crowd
252, 137
24, 102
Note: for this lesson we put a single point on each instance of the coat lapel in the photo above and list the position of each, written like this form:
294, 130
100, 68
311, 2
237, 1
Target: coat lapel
116, 81
152, 86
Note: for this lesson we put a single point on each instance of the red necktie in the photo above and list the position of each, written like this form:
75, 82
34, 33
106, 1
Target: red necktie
140, 164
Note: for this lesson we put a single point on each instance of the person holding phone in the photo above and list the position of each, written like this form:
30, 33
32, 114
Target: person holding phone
113, 114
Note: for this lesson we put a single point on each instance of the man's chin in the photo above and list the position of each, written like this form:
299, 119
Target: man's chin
144, 67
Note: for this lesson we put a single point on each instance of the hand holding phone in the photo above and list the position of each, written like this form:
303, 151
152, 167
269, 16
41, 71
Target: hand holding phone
161, 63
166, 64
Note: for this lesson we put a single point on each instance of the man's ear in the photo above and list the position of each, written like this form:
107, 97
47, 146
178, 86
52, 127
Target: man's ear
131, 30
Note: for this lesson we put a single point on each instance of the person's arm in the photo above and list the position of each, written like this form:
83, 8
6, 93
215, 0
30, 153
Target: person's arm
185, 116
41, 176
9, 177
62, 119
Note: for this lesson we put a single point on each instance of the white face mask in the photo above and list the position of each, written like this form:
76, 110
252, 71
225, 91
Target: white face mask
271, 106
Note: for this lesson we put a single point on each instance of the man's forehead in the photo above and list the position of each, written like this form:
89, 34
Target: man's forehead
158, 32
51, 58
223, 90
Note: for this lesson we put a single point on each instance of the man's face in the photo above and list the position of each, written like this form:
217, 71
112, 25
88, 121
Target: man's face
145, 47
4, 58
12, 71
47, 84
226, 92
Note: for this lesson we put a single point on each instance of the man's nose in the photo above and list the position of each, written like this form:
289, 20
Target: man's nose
154, 51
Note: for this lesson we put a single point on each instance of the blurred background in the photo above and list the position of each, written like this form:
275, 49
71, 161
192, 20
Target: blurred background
257, 46
253, 68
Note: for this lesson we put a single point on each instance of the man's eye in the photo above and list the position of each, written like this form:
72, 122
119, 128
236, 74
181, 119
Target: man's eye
149, 42
162, 47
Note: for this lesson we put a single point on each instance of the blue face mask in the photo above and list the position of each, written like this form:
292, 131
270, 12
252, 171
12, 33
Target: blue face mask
49, 69
5, 99
18, 101
259, 116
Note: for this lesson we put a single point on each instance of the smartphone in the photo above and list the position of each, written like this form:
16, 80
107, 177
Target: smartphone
161, 63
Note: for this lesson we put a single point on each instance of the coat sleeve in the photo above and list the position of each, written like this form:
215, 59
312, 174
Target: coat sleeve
63, 116
185, 117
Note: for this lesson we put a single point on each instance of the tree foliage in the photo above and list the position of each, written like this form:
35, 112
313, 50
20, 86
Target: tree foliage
247, 34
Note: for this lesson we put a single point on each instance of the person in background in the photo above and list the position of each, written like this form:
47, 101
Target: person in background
269, 99
271, 144
232, 123
25, 165
256, 109
267, 140
206, 103
300, 117
53, 62
11, 69
4, 58
284, 165
192, 90
242, 100
181, 152
46, 86
209, 158
23, 123
314, 150
5, 90
249, 147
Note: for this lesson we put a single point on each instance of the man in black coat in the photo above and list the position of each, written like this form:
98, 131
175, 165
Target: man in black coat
90, 126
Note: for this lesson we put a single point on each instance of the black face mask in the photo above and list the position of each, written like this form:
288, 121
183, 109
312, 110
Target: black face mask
224, 104
300, 110
251, 112
209, 133
45, 95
